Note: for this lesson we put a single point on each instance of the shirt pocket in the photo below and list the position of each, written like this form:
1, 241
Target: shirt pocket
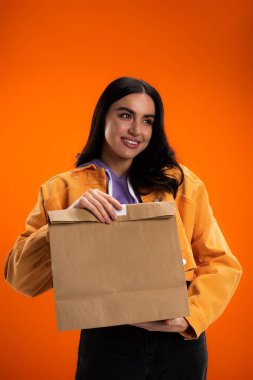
188, 260
189, 265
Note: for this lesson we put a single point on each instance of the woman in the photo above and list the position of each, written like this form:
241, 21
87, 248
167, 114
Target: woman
128, 155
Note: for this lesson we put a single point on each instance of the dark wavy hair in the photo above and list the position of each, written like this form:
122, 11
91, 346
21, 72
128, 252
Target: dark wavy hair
148, 169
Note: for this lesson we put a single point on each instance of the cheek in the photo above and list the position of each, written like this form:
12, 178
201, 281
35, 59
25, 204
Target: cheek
113, 130
148, 135
109, 132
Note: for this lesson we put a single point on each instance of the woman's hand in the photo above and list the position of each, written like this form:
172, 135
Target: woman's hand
167, 325
101, 204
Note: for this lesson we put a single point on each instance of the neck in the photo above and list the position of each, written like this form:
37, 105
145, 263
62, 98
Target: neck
118, 166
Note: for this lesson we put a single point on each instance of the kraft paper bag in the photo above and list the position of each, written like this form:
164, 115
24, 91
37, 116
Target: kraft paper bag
125, 272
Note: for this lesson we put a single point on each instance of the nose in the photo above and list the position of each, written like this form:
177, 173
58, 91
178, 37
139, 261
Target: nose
135, 128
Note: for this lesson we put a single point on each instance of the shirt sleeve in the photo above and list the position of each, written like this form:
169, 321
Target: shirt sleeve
217, 274
28, 265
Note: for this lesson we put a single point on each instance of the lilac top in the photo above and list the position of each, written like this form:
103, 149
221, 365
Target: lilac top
120, 186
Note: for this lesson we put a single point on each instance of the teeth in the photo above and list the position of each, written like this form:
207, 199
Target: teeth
131, 142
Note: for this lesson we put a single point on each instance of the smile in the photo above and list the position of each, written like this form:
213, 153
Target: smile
130, 143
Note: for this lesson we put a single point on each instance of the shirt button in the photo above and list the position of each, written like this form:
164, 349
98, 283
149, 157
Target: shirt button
184, 261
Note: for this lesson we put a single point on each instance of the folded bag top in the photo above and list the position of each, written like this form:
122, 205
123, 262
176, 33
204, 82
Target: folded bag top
150, 210
125, 272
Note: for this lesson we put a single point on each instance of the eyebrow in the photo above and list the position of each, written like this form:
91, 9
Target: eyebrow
132, 112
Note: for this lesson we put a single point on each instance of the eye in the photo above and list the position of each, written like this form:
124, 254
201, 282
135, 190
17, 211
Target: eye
125, 114
149, 121
129, 116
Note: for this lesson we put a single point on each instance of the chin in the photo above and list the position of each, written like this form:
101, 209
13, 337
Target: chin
127, 157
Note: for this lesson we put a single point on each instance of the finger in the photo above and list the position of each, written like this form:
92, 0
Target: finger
89, 205
108, 207
154, 324
167, 322
115, 203
161, 326
175, 322
102, 205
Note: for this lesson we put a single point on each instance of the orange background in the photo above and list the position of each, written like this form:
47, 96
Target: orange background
56, 59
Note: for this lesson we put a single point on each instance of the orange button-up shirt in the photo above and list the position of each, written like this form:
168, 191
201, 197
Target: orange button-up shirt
209, 264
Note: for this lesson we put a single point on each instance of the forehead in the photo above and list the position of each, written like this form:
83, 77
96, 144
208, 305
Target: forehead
141, 103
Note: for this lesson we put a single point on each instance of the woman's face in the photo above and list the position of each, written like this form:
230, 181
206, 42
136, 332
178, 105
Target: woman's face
128, 127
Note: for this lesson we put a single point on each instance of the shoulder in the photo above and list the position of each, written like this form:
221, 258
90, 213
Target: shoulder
192, 182
191, 176
191, 185
73, 179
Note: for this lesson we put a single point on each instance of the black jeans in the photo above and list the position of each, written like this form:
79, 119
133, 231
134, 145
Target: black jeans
132, 353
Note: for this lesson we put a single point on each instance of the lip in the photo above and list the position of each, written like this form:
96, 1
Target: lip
130, 138
130, 146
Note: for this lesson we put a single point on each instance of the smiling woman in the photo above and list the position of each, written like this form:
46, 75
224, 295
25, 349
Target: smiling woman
127, 159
